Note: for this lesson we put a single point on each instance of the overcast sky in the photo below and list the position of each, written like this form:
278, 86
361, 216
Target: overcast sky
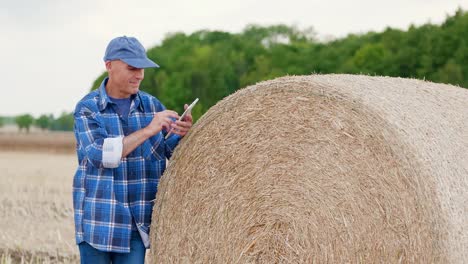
51, 51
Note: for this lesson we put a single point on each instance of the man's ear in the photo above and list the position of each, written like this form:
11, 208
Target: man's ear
108, 65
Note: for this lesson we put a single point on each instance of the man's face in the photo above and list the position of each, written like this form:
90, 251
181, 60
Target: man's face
125, 79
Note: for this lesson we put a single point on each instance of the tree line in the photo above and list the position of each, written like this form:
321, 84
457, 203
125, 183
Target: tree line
213, 64
64, 122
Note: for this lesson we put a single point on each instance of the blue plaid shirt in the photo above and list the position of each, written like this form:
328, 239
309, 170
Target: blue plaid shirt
106, 200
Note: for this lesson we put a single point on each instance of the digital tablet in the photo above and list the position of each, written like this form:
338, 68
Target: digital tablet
188, 110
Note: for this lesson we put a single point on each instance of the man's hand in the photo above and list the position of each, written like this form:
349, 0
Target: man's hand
182, 127
162, 120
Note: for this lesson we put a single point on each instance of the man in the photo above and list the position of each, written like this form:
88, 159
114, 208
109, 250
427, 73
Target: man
122, 151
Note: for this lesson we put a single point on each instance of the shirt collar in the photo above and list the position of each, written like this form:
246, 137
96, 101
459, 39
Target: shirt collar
104, 98
137, 101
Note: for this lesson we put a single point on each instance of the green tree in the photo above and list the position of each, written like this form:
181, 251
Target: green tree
213, 64
64, 122
24, 121
450, 73
2, 122
370, 59
44, 121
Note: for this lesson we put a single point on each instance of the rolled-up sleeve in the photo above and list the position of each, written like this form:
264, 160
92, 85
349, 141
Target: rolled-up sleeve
90, 134
112, 152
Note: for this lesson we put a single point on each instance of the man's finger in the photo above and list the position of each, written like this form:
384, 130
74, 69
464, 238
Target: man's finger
186, 119
170, 113
183, 124
180, 132
179, 128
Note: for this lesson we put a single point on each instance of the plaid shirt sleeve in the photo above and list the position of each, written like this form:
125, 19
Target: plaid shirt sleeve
90, 134
171, 144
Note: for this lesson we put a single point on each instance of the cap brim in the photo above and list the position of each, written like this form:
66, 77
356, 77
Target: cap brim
140, 63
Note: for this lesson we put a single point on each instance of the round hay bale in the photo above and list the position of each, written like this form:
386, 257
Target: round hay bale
320, 169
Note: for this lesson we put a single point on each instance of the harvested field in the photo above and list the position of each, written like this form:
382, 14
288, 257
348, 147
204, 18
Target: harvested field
52, 142
36, 209
36, 216
320, 169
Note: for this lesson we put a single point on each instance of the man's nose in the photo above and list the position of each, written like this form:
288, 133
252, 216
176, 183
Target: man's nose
140, 73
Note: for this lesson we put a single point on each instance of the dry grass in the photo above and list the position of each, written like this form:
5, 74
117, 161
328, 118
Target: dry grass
52, 142
36, 217
320, 169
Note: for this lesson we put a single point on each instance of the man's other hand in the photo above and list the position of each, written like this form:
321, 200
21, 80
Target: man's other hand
182, 127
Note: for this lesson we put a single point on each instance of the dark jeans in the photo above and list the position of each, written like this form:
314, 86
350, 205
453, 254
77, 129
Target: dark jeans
90, 255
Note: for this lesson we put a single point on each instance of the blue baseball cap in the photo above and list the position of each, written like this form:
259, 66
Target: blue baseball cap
130, 51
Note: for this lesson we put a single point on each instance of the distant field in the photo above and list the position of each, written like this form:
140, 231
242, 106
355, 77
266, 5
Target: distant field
56, 142
36, 216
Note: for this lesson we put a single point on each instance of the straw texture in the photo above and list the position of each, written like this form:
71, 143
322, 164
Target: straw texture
320, 169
